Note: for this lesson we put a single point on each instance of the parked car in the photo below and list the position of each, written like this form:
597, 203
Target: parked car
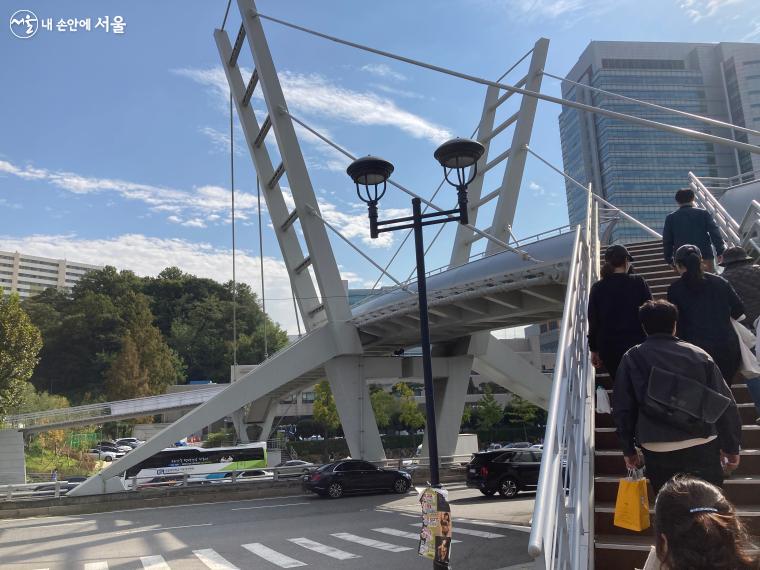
494, 447
295, 468
507, 471
517, 445
112, 445
48, 489
132, 442
105, 454
539, 446
355, 476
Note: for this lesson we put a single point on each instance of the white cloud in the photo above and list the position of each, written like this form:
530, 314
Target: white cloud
400, 92
553, 9
148, 256
313, 94
697, 10
196, 205
536, 188
220, 141
383, 70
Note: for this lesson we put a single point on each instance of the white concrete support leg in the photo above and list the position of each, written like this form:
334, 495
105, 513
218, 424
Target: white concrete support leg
499, 363
263, 412
449, 404
241, 428
266, 425
351, 392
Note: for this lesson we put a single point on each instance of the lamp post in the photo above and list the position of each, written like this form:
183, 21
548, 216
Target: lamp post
370, 174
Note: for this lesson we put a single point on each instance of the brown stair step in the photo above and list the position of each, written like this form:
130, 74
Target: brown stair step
604, 514
739, 490
747, 413
610, 463
606, 437
620, 552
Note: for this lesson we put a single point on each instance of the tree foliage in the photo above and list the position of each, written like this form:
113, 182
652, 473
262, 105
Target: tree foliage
410, 414
325, 410
490, 412
33, 401
521, 411
181, 326
384, 405
20, 344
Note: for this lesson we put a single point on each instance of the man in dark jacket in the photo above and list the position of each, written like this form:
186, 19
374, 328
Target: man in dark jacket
745, 279
691, 225
667, 449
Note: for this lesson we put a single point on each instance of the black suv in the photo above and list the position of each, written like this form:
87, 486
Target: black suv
506, 471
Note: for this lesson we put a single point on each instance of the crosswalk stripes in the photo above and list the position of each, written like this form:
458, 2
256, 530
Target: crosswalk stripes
401, 533
323, 549
96, 566
214, 560
371, 542
521, 528
480, 533
273, 556
154, 563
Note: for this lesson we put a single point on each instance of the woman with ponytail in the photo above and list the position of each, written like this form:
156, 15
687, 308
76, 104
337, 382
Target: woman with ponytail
706, 303
696, 528
613, 310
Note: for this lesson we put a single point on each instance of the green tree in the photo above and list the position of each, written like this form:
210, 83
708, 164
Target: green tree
410, 414
383, 404
34, 401
325, 412
490, 412
20, 344
521, 411
466, 416
126, 378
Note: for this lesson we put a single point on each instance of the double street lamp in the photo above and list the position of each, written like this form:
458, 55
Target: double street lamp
370, 174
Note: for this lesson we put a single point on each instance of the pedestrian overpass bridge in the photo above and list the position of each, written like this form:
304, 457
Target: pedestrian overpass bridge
511, 284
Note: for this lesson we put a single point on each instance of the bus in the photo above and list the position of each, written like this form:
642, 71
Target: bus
198, 463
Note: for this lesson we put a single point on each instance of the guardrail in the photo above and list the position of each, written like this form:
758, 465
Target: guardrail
563, 522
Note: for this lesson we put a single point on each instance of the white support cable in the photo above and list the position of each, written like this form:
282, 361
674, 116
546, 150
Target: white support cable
518, 62
234, 264
314, 212
261, 262
596, 197
542, 96
702, 118
489, 237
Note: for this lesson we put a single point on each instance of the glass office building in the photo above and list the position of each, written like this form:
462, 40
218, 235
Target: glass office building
637, 168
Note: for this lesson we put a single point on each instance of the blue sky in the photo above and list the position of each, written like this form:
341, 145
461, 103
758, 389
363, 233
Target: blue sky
114, 148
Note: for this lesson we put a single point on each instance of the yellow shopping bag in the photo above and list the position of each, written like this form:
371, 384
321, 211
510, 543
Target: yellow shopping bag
632, 505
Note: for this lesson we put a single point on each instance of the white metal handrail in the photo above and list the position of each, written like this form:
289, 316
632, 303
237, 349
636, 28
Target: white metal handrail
728, 227
562, 530
749, 229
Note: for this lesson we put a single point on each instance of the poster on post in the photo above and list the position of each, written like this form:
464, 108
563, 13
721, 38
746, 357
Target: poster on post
435, 535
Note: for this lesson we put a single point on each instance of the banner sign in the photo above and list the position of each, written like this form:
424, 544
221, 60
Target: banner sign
435, 536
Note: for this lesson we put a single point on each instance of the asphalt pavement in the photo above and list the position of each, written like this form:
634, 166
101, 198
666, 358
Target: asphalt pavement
360, 532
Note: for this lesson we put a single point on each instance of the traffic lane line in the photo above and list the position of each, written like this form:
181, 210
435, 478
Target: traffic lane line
460, 530
371, 542
273, 556
323, 548
269, 506
213, 560
401, 533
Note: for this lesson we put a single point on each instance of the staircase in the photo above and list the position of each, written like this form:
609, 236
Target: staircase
622, 549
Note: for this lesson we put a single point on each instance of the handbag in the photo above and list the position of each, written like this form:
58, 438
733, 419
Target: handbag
749, 366
603, 405
632, 503
680, 401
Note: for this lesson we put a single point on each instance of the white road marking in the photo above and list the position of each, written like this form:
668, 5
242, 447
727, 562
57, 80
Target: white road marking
372, 543
273, 556
154, 563
521, 528
213, 560
269, 506
323, 549
401, 533
159, 528
96, 566
480, 533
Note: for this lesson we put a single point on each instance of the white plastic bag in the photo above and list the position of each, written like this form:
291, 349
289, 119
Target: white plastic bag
749, 366
602, 401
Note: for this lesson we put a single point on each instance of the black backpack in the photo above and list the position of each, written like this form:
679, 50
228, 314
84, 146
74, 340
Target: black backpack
679, 401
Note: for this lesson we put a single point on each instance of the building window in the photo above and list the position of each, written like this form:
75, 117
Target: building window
307, 397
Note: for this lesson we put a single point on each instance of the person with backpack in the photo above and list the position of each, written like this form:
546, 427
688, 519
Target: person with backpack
697, 528
691, 225
613, 306
744, 276
670, 399
706, 303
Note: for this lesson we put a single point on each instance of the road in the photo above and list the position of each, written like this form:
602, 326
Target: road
370, 532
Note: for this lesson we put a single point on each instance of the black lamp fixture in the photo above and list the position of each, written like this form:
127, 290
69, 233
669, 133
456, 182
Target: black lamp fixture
459, 155
370, 175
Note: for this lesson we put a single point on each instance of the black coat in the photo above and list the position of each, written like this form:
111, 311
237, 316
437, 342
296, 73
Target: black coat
745, 279
631, 383
613, 312
690, 225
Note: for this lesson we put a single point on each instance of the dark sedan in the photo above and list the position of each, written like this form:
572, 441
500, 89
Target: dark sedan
507, 471
355, 476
